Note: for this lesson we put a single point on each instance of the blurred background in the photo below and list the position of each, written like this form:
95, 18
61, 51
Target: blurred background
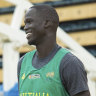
77, 32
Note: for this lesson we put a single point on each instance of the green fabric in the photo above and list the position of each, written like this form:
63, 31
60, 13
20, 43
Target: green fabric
44, 81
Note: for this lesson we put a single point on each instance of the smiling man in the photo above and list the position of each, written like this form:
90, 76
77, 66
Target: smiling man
49, 70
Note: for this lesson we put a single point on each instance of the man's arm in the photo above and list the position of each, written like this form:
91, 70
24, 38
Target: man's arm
74, 76
18, 68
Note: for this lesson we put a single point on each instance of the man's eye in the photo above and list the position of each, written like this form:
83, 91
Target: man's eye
28, 21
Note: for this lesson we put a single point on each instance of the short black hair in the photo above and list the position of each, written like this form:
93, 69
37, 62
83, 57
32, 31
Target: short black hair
47, 12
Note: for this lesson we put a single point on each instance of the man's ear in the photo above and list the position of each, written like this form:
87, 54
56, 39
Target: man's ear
48, 23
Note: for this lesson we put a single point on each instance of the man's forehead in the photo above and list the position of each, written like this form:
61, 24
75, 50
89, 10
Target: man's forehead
30, 11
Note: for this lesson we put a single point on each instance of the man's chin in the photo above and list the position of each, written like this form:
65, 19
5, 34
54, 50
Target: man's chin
31, 43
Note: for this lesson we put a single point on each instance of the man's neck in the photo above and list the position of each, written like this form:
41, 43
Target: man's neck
45, 48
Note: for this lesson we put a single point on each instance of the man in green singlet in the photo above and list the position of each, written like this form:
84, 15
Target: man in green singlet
49, 70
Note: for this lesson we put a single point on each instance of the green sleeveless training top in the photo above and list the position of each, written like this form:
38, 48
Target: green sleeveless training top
44, 81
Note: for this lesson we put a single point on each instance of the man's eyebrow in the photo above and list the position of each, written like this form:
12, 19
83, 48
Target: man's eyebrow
27, 19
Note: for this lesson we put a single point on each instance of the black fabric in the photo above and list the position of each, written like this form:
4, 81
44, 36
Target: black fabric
72, 72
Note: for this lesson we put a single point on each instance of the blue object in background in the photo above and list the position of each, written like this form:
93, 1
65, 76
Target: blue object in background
13, 91
1, 88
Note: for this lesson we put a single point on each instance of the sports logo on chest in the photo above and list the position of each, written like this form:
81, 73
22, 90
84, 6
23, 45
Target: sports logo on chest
50, 74
34, 76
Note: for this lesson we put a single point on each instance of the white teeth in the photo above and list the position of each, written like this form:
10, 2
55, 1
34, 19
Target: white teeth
28, 34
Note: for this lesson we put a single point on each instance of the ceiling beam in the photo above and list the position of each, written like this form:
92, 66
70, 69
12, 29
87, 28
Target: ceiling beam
77, 12
67, 13
40, 1
4, 3
85, 38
